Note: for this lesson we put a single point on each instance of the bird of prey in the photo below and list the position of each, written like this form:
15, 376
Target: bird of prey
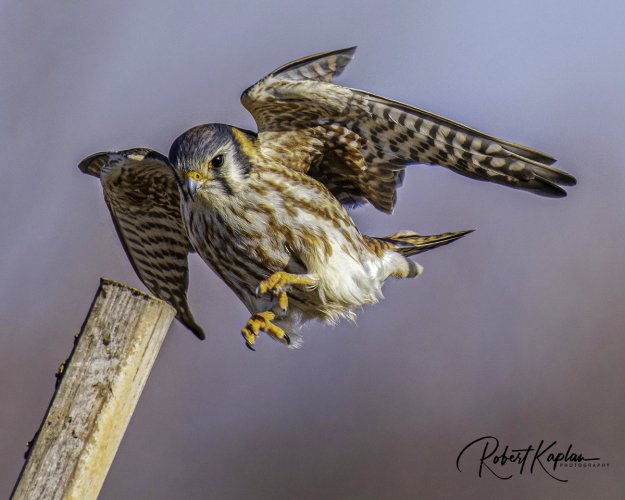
267, 210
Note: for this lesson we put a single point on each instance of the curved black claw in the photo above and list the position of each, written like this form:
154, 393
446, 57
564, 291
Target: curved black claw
287, 339
247, 344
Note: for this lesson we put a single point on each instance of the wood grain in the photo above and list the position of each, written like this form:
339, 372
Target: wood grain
96, 395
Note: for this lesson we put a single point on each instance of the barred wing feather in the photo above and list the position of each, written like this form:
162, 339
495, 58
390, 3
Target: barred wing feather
364, 141
143, 198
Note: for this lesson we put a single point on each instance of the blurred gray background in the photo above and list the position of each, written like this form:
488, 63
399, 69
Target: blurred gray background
517, 331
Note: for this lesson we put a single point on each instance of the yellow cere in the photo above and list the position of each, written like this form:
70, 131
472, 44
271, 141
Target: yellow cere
196, 176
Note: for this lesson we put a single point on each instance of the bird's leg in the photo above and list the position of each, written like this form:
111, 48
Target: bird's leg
262, 321
278, 284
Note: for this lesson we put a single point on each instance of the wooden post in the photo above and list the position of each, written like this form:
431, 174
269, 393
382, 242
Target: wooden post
100, 384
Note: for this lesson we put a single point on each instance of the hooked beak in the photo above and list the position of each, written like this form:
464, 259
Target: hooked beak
192, 186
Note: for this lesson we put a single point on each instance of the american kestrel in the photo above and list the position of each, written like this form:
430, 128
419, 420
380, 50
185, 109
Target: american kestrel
267, 211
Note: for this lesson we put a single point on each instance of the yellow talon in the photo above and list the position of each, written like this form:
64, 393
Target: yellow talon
262, 321
249, 335
283, 300
277, 284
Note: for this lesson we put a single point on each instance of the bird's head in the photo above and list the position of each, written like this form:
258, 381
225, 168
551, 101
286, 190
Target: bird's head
210, 161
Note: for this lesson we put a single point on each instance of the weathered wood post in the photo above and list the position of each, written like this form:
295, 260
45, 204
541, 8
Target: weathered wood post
98, 390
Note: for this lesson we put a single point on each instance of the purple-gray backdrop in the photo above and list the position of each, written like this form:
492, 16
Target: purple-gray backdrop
517, 331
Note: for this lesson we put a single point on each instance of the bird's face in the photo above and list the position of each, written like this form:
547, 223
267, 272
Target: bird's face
209, 163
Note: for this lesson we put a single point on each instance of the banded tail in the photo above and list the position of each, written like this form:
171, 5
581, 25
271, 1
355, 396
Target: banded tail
409, 243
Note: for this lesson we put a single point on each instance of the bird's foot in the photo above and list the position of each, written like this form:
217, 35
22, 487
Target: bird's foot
262, 321
278, 284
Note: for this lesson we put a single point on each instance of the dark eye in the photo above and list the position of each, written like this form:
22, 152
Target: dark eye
218, 161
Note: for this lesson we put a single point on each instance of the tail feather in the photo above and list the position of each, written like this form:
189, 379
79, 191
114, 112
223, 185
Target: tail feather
409, 243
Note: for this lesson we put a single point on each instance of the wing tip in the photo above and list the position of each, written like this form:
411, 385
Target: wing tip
185, 317
548, 171
567, 179
92, 164
198, 332
347, 53
547, 188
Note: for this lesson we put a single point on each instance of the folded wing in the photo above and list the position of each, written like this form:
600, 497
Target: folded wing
142, 195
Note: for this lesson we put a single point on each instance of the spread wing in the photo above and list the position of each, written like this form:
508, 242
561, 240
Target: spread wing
358, 144
142, 195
